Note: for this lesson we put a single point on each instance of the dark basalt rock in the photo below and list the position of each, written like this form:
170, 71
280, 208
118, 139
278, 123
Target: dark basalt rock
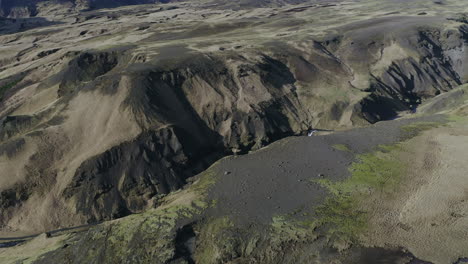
86, 67
125, 178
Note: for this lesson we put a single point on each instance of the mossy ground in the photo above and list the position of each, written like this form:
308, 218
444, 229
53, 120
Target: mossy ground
379, 172
284, 228
415, 129
221, 241
157, 227
458, 119
373, 172
216, 240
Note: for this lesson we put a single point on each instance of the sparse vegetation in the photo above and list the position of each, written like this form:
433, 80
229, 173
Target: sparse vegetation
286, 228
456, 118
156, 228
462, 18
6, 87
215, 242
416, 129
379, 171
342, 147
223, 241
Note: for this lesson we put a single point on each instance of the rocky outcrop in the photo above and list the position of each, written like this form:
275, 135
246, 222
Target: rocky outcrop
247, 103
14, 9
128, 177
404, 69
86, 67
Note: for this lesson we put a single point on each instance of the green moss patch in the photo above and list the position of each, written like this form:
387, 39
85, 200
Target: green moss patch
380, 171
217, 240
457, 118
286, 228
157, 228
221, 240
415, 129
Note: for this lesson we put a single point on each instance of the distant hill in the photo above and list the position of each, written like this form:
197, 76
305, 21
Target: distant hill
31, 8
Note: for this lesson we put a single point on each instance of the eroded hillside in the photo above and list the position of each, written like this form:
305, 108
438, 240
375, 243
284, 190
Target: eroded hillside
106, 112
103, 115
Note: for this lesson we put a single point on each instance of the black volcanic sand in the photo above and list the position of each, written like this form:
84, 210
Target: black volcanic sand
276, 180
381, 256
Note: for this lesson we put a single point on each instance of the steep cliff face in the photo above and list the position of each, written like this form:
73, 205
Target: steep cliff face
404, 68
27, 8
